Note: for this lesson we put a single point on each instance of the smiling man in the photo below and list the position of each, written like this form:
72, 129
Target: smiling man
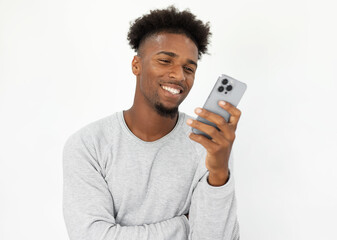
141, 173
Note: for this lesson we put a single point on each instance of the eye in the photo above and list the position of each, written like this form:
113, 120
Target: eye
189, 69
164, 61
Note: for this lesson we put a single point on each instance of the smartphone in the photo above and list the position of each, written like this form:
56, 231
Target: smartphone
226, 88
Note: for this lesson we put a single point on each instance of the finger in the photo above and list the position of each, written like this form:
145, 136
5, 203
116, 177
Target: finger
218, 120
216, 135
209, 145
233, 111
226, 129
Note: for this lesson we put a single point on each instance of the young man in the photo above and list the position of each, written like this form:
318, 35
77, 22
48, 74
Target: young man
141, 173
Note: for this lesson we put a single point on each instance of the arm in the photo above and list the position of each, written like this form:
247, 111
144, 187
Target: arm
212, 212
88, 204
213, 203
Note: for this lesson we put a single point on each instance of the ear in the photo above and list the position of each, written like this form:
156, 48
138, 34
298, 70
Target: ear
136, 65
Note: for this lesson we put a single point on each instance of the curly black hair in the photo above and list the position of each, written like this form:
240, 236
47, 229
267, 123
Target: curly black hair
170, 20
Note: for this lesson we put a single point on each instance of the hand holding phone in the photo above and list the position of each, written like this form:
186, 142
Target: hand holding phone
227, 89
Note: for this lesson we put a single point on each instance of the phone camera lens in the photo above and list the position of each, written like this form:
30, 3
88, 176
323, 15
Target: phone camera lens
225, 81
229, 87
221, 88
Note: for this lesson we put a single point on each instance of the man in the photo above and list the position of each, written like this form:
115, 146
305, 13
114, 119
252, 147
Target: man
141, 173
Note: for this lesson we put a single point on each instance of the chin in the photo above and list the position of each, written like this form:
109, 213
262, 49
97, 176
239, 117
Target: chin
165, 111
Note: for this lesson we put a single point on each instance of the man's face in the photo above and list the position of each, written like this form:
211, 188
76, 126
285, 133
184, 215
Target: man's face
167, 63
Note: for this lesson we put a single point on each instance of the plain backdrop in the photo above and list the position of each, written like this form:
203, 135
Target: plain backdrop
66, 63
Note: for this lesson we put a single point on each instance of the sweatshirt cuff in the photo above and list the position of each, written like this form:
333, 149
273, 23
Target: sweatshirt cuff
186, 224
218, 191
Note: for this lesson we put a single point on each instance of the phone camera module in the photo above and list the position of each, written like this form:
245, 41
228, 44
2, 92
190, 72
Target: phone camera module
229, 88
225, 81
221, 88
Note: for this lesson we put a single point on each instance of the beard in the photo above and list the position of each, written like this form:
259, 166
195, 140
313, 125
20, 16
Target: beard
164, 111
154, 101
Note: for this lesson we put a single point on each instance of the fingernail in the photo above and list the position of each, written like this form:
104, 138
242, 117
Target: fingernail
223, 103
198, 110
189, 121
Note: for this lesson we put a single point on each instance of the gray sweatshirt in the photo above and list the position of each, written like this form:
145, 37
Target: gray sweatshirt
117, 186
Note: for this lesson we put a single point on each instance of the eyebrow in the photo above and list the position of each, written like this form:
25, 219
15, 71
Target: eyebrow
172, 54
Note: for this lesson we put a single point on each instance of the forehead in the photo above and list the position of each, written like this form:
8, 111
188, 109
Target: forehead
170, 42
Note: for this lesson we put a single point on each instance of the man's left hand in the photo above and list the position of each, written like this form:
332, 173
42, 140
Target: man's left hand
219, 147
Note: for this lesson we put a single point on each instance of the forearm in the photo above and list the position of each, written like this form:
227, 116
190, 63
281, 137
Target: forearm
173, 228
212, 213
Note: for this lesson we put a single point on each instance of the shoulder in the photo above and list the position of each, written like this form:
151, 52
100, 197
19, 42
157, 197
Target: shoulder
90, 142
93, 132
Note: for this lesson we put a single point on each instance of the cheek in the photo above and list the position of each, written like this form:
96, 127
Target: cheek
190, 82
154, 73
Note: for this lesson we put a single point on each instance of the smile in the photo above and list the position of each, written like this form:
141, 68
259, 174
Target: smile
173, 91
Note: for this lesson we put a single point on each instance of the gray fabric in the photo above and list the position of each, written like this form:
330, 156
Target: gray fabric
117, 186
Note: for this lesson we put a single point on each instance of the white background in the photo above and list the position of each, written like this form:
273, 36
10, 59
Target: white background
64, 64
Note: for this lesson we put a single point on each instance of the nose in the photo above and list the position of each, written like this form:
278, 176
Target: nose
177, 72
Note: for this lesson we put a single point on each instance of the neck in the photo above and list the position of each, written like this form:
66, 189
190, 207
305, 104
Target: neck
145, 123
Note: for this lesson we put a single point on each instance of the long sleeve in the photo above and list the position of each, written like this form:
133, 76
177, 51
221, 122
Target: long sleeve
88, 207
213, 211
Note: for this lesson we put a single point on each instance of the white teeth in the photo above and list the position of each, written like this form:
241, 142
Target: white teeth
171, 90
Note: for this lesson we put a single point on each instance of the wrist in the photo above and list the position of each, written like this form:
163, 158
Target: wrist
218, 178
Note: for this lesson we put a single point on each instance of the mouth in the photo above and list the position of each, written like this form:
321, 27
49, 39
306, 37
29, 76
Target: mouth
172, 88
